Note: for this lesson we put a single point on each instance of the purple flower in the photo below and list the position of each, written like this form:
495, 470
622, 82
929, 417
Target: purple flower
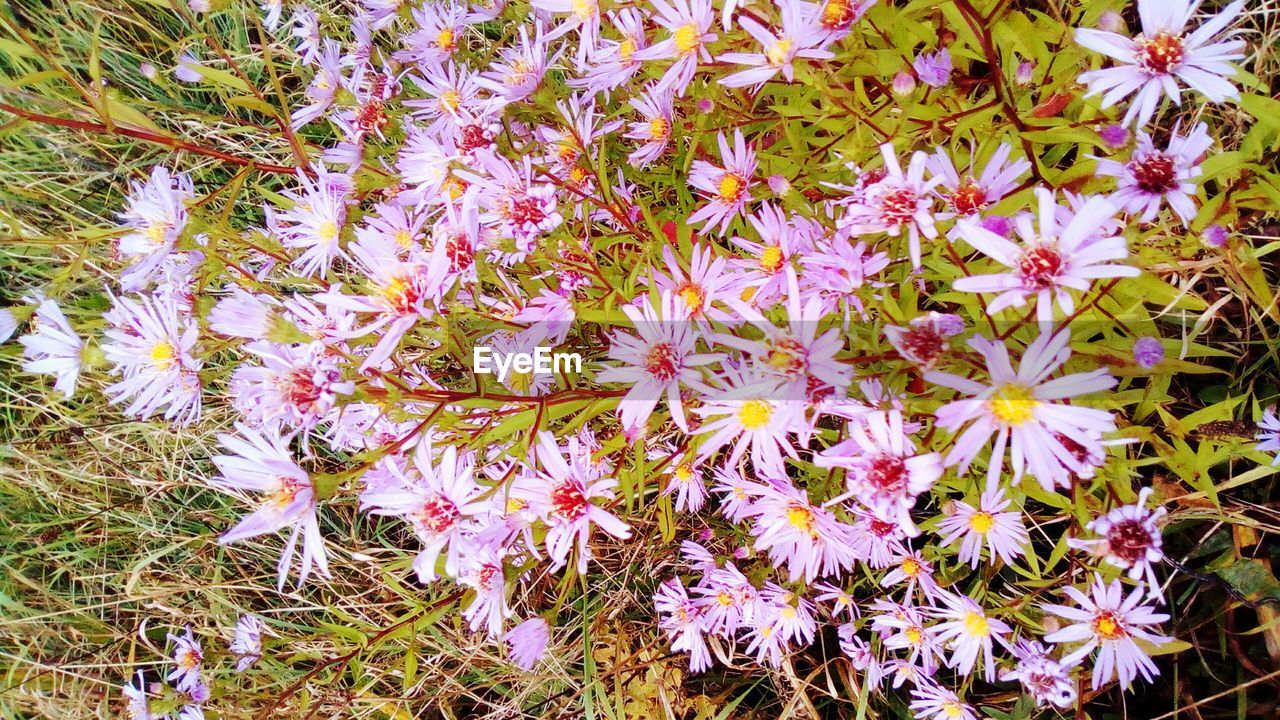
1112, 623
1116, 136
247, 644
1148, 352
934, 69
527, 642
1215, 236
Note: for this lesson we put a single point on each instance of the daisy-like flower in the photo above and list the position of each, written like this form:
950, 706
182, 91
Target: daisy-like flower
1044, 679
584, 16
53, 349
763, 275
933, 69
314, 223
1053, 260
681, 619
1153, 177
1130, 540
685, 481
262, 463
883, 470
527, 642
798, 38
1268, 436
806, 538
934, 702
654, 362
726, 189
902, 627
156, 215
324, 86
915, 572
841, 601
837, 17
974, 192
513, 203
188, 662
482, 572
688, 22
247, 643
1154, 61
1022, 409
295, 386
1112, 623
439, 31
437, 500
706, 282
1000, 530
969, 631
562, 496
151, 343
242, 314
139, 703
514, 78
654, 131
748, 412
613, 62
896, 202
925, 339
735, 492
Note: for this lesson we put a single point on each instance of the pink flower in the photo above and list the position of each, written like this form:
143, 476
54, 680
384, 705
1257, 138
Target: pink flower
246, 646
151, 343
806, 538
799, 37
681, 619
1268, 436
1045, 679
1002, 531
262, 463
1111, 623
654, 130
1022, 409
53, 349
527, 642
969, 631
1153, 177
895, 201
934, 69
1130, 540
726, 189
688, 22
1153, 62
188, 662
1053, 259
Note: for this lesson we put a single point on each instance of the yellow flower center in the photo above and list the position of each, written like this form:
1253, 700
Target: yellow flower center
975, 623
684, 471
450, 100
913, 635
328, 230
778, 52
515, 504
155, 233
771, 259
446, 40
162, 355
687, 38
747, 293
626, 49
982, 522
731, 187
1108, 627
801, 518
404, 239
755, 414
1013, 405
910, 567
584, 9
659, 128
953, 709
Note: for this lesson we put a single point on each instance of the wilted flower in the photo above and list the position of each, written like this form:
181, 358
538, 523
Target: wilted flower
52, 349
934, 69
527, 642
247, 644
1148, 352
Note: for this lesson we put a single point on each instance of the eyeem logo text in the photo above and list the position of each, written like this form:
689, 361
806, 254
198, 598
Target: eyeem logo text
542, 361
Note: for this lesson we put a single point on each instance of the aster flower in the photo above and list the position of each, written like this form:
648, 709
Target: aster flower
242, 314
798, 38
439, 31
1130, 540
836, 17
688, 22
685, 481
1001, 530
762, 275
840, 271
482, 571
1268, 436
139, 703
527, 642
155, 217
883, 470
53, 348
913, 570
706, 283
521, 69
969, 631
562, 495
859, 654
896, 201
295, 386
1053, 259
1022, 409
315, 221
584, 16
1046, 680
654, 131
450, 90
324, 86
726, 189
188, 661
151, 342
746, 411
1153, 177
681, 619
1154, 61
247, 644
933, 69
613, 62
735, 492
902, 627
934, 702
841, 601
513, 203
925, 339
806, 538
976, 191
1148, 352
438, 496
1110, 622
261, 463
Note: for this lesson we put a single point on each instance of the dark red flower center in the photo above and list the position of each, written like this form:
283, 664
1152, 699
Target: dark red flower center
567, 500
887, 473
898, 206
1040, 267
661, 362
969, 198
1129, 540
1154, 173
1160, 54
438, 514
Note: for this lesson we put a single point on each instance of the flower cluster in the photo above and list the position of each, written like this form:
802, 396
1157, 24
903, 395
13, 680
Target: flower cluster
861, 373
